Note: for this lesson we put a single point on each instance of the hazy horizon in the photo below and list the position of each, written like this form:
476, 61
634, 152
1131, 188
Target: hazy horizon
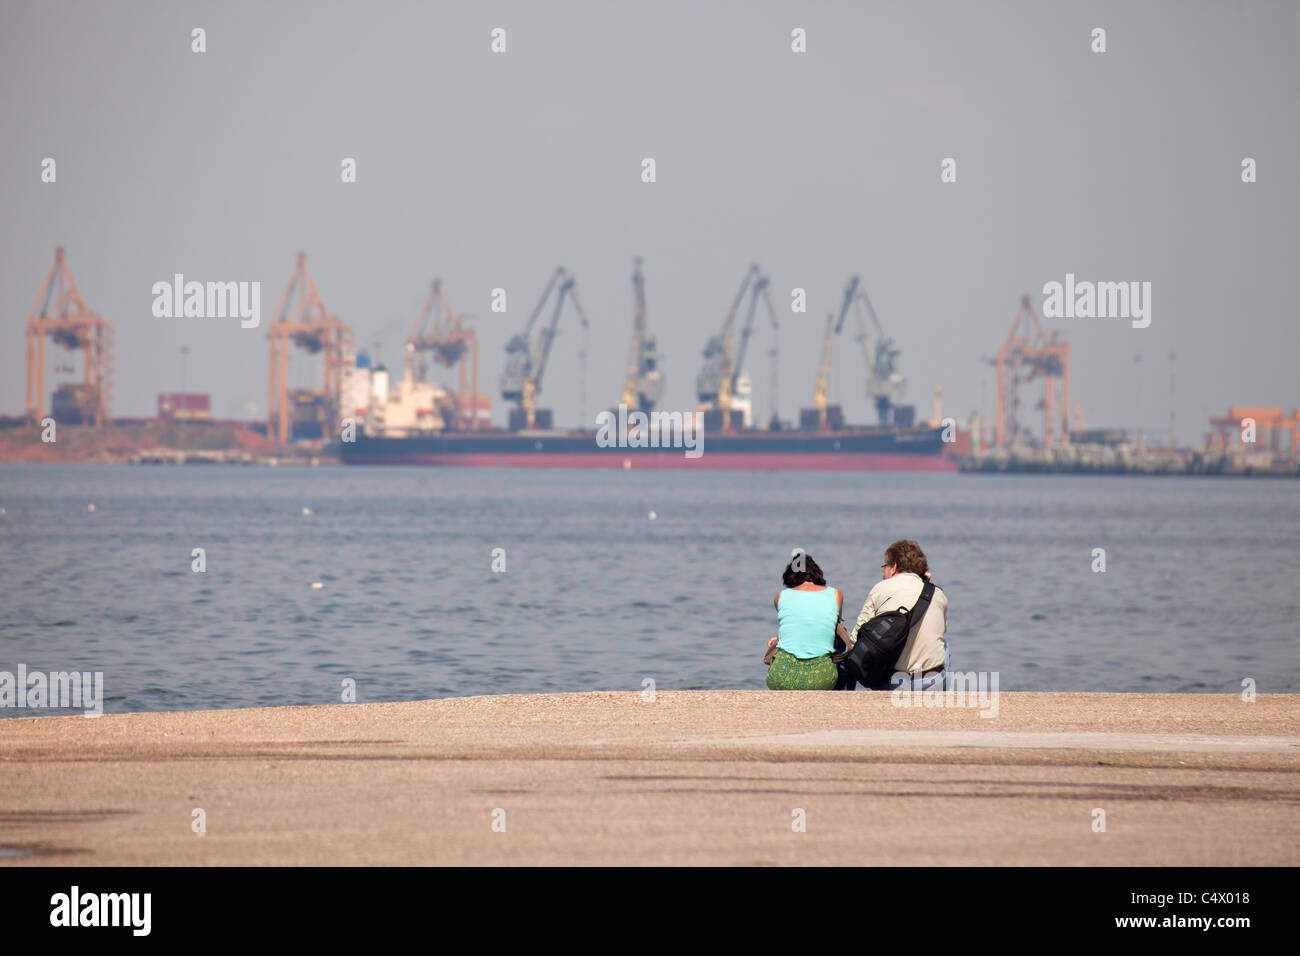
489, 170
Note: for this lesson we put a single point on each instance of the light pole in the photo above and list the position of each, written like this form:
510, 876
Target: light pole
1172, 444
1137, 366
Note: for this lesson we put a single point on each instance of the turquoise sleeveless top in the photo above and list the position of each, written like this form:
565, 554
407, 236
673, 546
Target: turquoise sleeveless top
806, 622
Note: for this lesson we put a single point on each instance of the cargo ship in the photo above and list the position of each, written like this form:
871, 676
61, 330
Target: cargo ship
850, 449
416, 422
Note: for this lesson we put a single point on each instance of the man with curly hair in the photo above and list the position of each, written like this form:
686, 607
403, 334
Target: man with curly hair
924, 657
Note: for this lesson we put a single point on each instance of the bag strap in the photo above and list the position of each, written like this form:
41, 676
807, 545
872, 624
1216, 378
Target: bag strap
922, 602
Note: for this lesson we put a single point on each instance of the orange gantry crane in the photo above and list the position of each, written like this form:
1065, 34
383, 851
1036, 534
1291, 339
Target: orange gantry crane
302, 320
62, 315
1270, 424
1027, 353
444, 334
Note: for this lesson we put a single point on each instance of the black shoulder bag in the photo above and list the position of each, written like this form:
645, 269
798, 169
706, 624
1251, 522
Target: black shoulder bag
880, 641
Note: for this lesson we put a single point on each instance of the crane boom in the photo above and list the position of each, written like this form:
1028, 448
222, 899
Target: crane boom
885, 384
774, 353
547, 337
850, 293
871, 310
864, 341
556, 276
823, 383
642, 378
632, 368
740, 297
713, 386
519, 349
521, 381
825, 362
757, 289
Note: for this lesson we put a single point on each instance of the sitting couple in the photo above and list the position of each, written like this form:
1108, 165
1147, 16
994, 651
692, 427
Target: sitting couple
812, 642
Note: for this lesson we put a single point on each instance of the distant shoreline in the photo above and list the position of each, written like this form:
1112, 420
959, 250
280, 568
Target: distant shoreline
173, 457
239, 443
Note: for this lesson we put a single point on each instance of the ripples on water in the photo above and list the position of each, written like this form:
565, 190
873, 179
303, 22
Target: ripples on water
1200, 589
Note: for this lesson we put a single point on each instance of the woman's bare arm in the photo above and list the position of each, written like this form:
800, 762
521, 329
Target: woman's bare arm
771, 645
840, 631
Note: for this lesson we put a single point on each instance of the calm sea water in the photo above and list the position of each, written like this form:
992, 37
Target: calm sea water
1200, 589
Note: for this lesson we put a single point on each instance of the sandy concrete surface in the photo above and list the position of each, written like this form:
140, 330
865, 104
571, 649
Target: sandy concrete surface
688, 777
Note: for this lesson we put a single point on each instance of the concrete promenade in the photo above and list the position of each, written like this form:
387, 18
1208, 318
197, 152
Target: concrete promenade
688, 777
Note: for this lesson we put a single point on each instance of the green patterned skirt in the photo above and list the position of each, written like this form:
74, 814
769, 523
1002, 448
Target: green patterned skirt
788, 672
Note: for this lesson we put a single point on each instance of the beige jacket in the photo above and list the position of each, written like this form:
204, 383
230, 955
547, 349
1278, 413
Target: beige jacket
924, 649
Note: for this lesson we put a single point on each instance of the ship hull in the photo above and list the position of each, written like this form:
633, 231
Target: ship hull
859, 450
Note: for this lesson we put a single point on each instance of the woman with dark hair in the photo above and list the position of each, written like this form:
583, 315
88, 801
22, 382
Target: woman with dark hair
808, 619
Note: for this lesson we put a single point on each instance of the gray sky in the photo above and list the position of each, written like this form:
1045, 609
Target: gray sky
490, 170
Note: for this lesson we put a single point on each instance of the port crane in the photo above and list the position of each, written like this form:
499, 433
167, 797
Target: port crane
443, 333
822, 384
643, 380
885, 384
723, 360
302, 321
1028, 353
821, 411
774, 353
521, 382
60, 314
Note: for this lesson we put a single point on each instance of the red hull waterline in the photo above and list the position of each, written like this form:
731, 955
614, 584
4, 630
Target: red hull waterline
675, 459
